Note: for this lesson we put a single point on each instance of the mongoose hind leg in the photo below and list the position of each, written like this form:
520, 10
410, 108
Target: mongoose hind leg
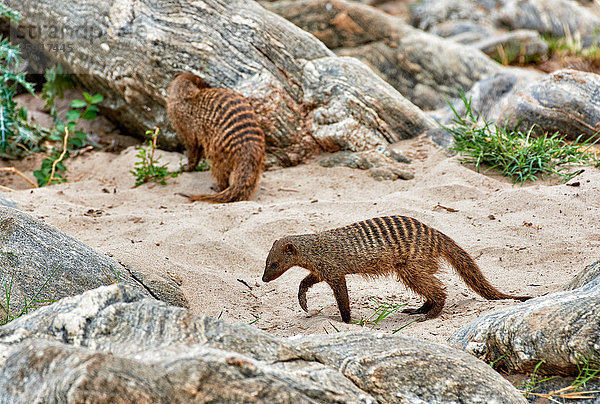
340, 291
306, 283
424, 309
421, 281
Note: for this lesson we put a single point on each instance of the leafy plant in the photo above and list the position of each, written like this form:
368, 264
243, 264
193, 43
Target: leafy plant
53, 167
16, 134
147, 168
520, 156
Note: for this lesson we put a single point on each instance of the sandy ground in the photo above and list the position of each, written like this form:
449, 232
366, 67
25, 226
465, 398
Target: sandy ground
528, 239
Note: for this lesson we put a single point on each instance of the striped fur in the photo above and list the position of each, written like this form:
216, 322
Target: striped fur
391, 245
220, 124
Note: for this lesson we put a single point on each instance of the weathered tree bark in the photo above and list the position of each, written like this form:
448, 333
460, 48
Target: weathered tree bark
561, 329
308, 99
557, 18
421, 66
42, 263
113, 345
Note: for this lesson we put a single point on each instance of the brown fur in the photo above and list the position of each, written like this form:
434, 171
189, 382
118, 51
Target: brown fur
221, 124
396, 245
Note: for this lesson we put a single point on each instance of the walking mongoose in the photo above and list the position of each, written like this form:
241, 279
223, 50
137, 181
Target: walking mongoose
221, 124
391, 245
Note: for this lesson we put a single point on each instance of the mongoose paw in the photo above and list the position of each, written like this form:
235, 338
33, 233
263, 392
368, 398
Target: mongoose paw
182, 194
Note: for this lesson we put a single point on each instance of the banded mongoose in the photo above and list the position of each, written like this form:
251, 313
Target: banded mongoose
392, 245
221, 124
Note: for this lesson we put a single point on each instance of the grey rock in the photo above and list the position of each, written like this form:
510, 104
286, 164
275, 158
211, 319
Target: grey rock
428, 14
521, 44
587, 275
338, 85
463, 31
566, 101
113, 343
402, 369
560, 328
130, 52
421, 66
553, 17
382, 164
490, 96
33, 253
8, 202
558, 18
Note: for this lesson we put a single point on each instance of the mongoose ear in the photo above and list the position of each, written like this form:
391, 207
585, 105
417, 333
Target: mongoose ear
290, 249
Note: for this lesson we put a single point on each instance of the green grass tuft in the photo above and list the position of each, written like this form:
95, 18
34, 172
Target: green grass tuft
380, 312
522, 156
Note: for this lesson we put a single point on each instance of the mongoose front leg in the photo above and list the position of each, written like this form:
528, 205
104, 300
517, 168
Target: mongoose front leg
304, 286
340, 291
194, 155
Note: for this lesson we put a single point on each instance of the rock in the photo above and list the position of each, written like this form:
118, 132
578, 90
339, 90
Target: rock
292, 80
421, 66
490, 96
560, 328
402, 369
566, 101
557, 18
33, 253
381, 164
337, 85
8, 202
113, 343
520, 45
587, 275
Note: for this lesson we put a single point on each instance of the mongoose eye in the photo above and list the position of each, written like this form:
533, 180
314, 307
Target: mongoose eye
274, 266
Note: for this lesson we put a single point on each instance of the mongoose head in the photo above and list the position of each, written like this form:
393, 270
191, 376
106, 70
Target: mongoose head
185, 84
283, 256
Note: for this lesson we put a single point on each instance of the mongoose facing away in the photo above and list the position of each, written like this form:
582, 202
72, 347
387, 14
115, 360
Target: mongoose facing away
221, 124
392, 245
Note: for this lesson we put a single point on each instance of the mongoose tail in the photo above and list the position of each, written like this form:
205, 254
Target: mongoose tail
469, 271
242, 185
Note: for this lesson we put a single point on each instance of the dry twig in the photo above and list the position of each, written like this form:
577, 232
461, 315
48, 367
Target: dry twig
62, 155
19, 173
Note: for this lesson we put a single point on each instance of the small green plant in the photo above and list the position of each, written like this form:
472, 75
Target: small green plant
256, 318
52, 168
572, 45
407, 324
147, 167
533, 381
380, 312
29, 304
520, 156
56, 84
116, 273
588, 370
494, 362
